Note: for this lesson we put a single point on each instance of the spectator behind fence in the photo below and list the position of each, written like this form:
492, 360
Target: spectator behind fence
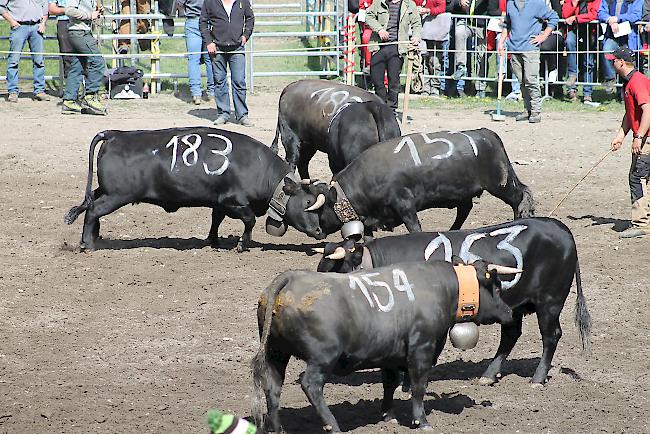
365, 35
390, 21
524, 19
620, 16
436, 24
194, 44
226, 26
580, 36
471, 31
83, 13
550, 50
142, 26
27, 19
637, 118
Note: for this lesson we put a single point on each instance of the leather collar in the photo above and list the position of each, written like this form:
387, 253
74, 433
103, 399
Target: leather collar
468, 292
278, 204
343, 208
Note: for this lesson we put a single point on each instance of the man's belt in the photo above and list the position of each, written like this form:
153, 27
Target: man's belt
29, 23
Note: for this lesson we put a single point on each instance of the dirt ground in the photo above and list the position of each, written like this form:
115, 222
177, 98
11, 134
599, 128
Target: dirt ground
152, 330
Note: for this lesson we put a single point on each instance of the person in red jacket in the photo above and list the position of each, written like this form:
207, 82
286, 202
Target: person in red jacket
581, 36
436, 24
365, 35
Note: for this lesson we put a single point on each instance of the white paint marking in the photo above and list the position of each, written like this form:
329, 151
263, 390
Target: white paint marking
435, 243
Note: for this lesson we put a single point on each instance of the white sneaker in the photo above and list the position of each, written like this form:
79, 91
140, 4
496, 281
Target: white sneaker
513, 96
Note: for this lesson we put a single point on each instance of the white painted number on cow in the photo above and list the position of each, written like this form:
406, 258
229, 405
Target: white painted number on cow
190, 155
400, 283
333, 100
408, 141
468, 257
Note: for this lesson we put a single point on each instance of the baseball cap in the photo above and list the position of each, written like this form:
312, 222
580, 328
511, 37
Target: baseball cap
623, 53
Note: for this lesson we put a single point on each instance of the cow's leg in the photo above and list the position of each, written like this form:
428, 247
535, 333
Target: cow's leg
276, 368
390, 379
312, 384
548, 318
509, 335
412, 222
419, 364
306, 154
217, 217
462, 211
102, 206
246, 215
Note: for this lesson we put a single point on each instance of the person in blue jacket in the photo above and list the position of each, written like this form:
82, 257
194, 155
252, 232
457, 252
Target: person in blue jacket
613, 13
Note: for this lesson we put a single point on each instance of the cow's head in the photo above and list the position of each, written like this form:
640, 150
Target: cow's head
341, 257
492, 308
303, 209
329, 221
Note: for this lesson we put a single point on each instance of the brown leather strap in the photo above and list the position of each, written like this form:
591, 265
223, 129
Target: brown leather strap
468, 293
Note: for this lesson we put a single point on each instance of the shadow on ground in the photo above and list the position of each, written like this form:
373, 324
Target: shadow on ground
619, 225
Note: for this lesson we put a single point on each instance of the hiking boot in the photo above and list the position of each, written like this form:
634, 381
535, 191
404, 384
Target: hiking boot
196, 100
245, 122
634, 232
522, 116
41, 96
573, 96
91, 105
571, 80
13, 97
535, 118
220, 121
513, 96
610, 86
70, 107
459, 73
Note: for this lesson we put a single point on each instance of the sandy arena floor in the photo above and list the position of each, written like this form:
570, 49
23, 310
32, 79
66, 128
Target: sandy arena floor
150, 332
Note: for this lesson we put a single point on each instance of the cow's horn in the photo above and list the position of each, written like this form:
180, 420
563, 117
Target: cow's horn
501, 269
320, 250
339, 253
320, 201
305, 181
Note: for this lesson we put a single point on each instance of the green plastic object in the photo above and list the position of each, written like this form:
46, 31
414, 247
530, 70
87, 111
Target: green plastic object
220, 423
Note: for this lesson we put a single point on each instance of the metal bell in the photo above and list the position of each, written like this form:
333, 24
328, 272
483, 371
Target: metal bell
464, 335
351, 229
275, 227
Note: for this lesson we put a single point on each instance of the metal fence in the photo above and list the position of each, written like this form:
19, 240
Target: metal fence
274, 22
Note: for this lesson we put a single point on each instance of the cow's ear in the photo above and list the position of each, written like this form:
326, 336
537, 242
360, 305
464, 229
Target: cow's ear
290, 186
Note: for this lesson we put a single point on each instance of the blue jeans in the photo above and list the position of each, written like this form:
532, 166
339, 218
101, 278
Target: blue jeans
83, 42
17, 38
236, 61
610, 45
587, 42
194, 44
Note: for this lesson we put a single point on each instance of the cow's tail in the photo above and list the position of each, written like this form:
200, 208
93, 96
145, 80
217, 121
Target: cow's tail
387, 125
259, 364
274, 145
582, 318
75, 211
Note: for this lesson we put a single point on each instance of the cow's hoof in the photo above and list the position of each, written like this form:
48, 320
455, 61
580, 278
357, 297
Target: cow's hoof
389, 417
241, 248
537, 385
487, 381
423, 426
86, 247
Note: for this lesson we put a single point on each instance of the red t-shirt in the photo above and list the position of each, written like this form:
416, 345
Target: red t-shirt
637, 93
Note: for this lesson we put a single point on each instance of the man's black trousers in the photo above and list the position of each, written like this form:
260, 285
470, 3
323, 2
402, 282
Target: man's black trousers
386, 60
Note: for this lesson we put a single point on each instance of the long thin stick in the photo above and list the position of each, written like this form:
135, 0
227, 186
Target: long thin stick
581, 179
407, 91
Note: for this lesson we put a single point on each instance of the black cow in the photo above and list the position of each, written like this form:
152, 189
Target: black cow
393, 318
233, 174
339, 120
391, 181
543, 247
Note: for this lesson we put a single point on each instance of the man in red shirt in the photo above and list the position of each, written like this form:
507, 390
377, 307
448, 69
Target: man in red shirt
637, 119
